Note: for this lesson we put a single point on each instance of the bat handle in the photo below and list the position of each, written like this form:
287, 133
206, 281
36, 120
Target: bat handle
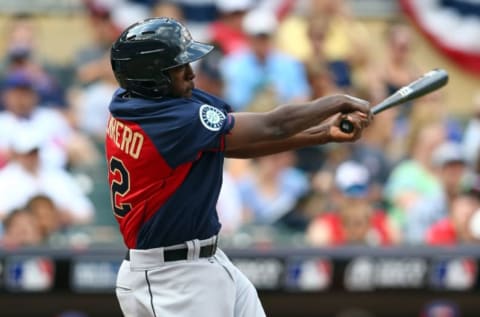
346, 126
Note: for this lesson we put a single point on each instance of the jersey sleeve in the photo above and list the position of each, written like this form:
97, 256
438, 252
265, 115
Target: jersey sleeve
190, 130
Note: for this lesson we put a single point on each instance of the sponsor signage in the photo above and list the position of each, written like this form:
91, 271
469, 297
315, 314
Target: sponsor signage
94, 275
264, 273
372, 273
290, 273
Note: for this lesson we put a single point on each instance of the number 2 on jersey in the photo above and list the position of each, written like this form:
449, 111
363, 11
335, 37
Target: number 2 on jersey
119, 187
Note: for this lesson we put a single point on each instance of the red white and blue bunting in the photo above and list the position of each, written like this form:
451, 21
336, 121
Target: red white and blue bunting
453, 26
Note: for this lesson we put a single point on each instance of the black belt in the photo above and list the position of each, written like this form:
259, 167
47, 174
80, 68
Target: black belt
181, 254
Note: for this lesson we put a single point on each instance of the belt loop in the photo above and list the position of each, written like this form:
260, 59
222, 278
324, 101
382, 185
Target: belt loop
193, 252
161, 258
197, 246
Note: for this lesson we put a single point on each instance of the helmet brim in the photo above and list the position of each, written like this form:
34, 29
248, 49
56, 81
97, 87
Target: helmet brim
193, 51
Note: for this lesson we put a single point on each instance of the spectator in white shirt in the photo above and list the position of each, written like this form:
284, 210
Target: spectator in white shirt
21, 111
229, 206
24, 177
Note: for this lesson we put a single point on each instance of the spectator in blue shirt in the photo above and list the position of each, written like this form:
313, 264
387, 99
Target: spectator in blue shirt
261, 70
273, 188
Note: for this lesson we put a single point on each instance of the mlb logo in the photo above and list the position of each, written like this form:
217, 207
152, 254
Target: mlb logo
441, 308
309, 274
457, 274
29, 274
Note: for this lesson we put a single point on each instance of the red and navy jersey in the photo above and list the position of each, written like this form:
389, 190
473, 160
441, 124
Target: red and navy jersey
165, 162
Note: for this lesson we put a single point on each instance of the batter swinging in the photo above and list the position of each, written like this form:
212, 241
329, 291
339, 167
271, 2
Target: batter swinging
165, 146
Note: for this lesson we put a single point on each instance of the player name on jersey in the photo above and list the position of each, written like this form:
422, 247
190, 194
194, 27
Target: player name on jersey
125, 138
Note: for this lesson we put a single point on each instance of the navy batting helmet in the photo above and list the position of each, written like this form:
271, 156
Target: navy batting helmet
145, 50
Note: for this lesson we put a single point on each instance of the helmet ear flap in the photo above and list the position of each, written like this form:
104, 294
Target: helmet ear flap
163, 84
158, 87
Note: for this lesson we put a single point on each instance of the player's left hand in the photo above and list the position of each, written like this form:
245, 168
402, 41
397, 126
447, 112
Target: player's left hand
359, 120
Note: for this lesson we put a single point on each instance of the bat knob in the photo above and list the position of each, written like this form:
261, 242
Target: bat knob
346, 126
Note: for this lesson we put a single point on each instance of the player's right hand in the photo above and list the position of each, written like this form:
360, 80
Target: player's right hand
349, 104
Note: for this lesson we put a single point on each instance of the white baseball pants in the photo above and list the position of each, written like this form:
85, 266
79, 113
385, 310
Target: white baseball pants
149, 287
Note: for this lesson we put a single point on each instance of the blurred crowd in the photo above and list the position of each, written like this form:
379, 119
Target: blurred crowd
411, 179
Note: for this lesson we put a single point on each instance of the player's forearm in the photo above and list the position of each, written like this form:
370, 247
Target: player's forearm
289, 120
316, 136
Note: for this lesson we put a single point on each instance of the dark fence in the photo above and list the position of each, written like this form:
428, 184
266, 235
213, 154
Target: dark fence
291, 282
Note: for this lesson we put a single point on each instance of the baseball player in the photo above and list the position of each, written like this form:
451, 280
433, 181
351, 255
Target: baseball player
165, 146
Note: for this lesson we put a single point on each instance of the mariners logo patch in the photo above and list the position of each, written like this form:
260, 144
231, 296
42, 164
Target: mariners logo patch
211, 117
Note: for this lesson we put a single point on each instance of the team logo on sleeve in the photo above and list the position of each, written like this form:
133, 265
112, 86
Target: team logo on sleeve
211, 117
